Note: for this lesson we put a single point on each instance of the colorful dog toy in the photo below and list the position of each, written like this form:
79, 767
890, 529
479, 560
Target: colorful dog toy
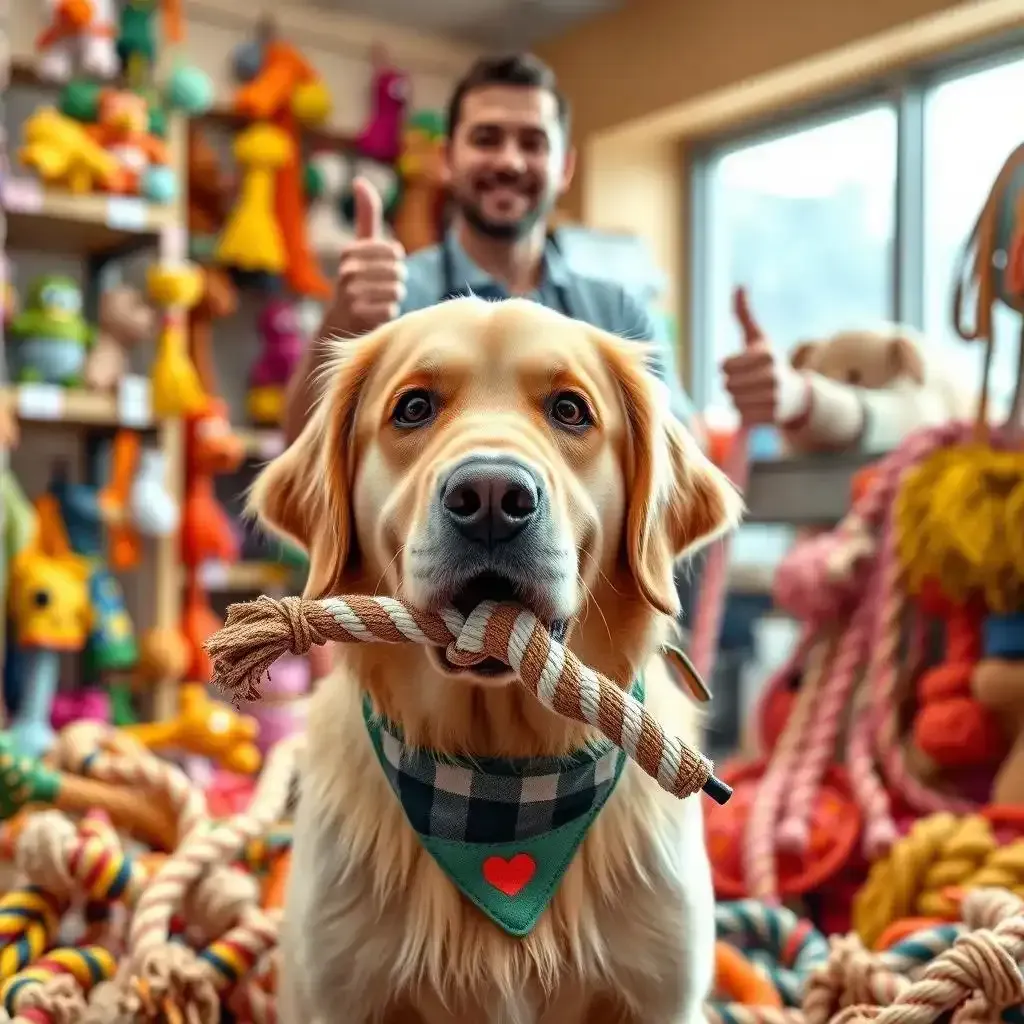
258, 633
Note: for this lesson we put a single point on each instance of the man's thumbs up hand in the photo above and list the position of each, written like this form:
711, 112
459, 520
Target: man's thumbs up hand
371, 272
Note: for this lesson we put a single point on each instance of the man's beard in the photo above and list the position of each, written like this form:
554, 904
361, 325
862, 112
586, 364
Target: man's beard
504, 230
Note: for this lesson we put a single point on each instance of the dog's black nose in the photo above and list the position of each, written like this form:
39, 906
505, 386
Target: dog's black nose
490, 500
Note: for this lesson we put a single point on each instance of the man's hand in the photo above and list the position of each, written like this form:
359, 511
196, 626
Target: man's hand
763, 386
371, 272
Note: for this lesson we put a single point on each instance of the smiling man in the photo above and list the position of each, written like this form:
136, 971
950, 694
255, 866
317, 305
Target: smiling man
509, 159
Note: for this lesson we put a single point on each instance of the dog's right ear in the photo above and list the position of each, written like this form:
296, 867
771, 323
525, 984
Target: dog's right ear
304, 495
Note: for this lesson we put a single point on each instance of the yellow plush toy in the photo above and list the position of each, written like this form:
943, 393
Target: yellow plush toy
252, 239
52, 614
177, 390
61, 152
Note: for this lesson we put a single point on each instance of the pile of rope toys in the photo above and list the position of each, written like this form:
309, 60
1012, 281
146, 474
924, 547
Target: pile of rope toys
100, 927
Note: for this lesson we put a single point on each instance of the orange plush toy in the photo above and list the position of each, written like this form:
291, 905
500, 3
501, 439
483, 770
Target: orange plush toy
210, 450
122, 129
287, 92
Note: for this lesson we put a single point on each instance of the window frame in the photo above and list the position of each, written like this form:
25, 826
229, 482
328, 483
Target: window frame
907, 93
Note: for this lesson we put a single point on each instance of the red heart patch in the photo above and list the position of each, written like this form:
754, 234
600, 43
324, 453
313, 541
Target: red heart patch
510, 876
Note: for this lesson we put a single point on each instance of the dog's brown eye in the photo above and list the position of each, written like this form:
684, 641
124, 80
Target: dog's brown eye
413, 409
569, 410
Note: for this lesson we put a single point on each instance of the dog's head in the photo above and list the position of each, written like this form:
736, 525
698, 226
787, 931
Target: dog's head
477, 450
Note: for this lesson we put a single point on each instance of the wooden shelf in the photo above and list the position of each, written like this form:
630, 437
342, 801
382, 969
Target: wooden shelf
243, 577
49, 403
807, 491
43, 220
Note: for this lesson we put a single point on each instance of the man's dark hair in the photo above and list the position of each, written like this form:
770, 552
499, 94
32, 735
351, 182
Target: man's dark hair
516, 69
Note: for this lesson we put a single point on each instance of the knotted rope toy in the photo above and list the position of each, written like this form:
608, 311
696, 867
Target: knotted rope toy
257, 633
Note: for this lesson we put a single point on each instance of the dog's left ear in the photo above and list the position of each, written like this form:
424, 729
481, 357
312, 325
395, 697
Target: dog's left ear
679, 500
304, 494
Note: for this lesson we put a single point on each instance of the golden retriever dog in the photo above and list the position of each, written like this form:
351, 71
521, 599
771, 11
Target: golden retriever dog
469, 451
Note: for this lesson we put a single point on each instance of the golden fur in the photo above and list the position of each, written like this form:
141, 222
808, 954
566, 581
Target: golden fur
374, 932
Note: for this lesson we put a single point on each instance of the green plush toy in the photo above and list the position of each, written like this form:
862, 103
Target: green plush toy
50, 337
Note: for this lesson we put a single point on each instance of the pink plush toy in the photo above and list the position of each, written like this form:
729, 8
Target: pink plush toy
282, 711
381, 139
87, 705
283, 342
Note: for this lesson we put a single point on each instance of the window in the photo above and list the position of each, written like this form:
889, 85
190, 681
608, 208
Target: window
807, 221
967, 137
844, 222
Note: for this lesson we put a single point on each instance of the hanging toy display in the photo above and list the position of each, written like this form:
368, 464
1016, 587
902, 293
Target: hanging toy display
418, 220
253, 242
78, 37
50, 338
285, 93
390, 94
176, 388
282, 342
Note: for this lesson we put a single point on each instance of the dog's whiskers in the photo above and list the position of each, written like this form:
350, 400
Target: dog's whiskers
387, 567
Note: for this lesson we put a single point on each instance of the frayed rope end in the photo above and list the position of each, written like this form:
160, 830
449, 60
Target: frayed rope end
254, 635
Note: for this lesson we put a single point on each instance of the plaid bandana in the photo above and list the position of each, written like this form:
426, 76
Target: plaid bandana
504, 830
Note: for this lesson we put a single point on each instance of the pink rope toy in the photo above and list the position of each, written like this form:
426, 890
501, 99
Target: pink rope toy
847, 587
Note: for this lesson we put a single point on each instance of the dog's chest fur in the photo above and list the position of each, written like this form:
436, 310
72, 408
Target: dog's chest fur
374, 927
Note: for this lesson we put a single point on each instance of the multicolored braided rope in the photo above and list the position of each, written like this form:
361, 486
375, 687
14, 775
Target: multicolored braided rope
29, 920
256, 634
23, 996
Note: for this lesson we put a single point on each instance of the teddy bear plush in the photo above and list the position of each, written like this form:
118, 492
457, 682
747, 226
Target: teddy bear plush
900, 383
125, 320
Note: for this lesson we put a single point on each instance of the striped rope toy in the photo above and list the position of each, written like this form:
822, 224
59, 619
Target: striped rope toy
257, 633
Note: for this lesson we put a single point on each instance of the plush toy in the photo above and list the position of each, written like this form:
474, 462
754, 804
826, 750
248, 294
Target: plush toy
51, 610
328, 232
111, 645
125, 321
174, 289
998, 684
252, 240
122, 129
390, 92
63, 154
79, 35
281, 350
211, 449
288, 92
419, 219
903, 381
50, 337
206, 728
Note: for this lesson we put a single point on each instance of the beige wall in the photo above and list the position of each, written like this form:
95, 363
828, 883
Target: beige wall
655, 54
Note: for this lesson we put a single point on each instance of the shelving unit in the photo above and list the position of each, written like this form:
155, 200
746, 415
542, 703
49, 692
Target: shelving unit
102, 229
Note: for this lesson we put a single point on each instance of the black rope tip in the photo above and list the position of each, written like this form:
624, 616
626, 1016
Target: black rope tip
718, 790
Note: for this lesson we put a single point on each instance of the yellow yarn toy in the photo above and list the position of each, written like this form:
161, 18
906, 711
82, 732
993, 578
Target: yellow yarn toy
958, 520
175, 383
941, 853
252, 239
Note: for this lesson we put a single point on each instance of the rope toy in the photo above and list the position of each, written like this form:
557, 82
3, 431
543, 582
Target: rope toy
850, 655
976, 978
940, 853
785, 946
131, 965
257, 633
